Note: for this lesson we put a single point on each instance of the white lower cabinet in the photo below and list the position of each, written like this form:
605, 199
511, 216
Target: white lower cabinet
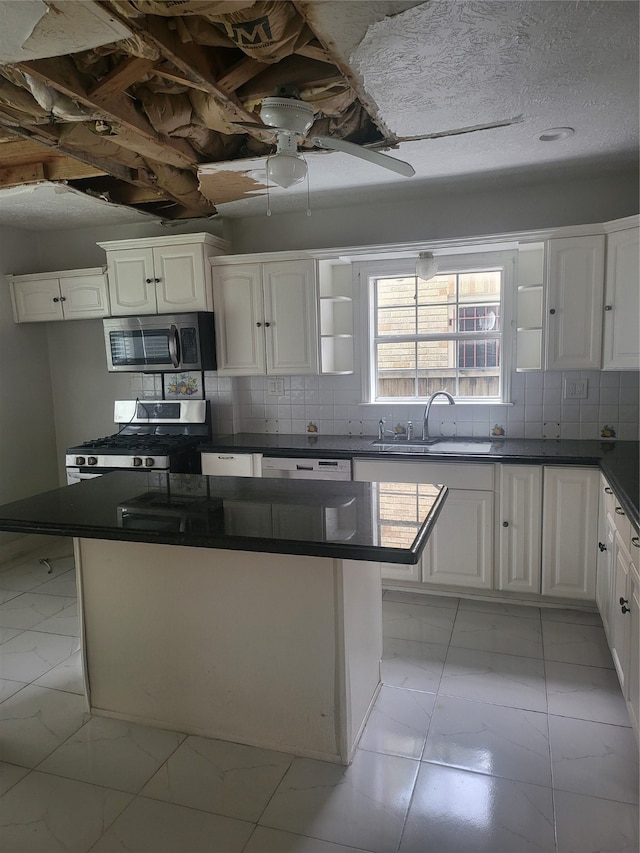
569, 532
460, 549
618, 595
519, 528
459, 552
220, 464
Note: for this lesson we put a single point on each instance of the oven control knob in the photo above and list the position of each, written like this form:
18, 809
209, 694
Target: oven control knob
91, 460
137, 462
149, 462
80, 460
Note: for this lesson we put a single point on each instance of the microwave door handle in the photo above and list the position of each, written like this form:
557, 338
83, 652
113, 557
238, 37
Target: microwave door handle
174, 345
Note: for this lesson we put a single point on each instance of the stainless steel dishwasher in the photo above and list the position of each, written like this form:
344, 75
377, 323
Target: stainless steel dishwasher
306, 469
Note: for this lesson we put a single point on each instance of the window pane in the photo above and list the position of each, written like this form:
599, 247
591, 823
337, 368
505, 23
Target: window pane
396, 291
397, 321
479, 354
479, 383
479, 318
473, 285
441, 288
395, 367
435, 355
436, 367
435, 319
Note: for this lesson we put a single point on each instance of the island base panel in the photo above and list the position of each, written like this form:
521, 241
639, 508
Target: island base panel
277, 651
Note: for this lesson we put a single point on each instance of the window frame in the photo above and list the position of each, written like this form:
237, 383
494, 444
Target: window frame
451, 263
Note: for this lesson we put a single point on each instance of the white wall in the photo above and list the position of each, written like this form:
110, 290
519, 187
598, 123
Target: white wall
83, 390
27, 442
492, 205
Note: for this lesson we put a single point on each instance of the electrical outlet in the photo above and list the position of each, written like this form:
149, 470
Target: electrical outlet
575, 389
275, 387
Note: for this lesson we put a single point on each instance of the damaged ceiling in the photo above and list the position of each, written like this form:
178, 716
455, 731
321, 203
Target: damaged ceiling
138, 102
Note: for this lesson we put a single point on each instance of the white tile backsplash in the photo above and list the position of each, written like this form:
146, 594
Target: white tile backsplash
243, 404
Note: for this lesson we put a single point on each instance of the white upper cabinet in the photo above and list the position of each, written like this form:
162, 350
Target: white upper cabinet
266, 318
621, 341
575, 282
63, 295
161, 275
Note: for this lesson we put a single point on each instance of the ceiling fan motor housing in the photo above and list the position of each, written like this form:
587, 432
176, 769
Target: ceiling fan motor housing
288, 114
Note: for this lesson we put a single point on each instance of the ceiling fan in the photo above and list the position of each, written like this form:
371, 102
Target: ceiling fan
290, 119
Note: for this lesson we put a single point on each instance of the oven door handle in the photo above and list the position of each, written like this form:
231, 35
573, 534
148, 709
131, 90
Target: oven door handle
174, 345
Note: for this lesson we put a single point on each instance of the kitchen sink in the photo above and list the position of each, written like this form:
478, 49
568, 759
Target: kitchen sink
437, 445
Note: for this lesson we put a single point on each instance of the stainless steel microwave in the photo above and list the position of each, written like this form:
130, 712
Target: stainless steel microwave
160, 343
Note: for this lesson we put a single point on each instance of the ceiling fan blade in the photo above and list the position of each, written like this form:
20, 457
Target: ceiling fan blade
460, 130
383, 160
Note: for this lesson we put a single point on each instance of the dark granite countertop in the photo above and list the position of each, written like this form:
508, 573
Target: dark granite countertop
617, 459
318, 519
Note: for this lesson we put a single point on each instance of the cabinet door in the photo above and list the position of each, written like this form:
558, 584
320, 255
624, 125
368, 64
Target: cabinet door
181, 279
239, 319
569, 532
84, 296
620, 615
460, 549
605, 566
574, 303
36, 301
633, 678
132, 287
520, 528
291, 314
621, 343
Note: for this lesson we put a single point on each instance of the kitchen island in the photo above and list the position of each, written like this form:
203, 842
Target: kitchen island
246, 610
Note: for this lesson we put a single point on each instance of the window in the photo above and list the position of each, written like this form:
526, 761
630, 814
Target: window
445, 334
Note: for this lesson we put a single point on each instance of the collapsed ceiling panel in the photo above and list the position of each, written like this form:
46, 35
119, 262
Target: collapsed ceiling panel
169, 92
37, 208
32, 29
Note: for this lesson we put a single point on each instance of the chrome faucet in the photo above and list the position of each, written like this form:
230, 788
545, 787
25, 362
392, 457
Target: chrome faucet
427, 409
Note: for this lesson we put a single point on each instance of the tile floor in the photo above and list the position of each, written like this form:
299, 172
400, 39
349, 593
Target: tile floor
498, 729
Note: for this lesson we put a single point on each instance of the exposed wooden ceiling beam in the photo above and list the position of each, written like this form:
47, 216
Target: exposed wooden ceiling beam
61, 74
314, 50
241, 73
137, 177
26, 173
293, 71
57, 166
190, 59
121, 77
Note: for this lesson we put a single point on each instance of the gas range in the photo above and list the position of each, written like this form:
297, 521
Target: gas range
159, 435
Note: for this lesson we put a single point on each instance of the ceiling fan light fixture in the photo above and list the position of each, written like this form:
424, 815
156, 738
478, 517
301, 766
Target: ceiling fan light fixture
296, 116
426, 266
285, 170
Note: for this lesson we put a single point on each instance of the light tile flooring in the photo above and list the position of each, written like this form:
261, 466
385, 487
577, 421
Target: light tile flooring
498, 729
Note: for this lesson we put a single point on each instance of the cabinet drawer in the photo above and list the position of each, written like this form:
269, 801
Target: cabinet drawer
232, 464
454, 474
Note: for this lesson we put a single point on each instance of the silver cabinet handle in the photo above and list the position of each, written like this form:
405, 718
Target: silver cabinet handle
607, 307
619, 510
636, 541
505, 523
608, 490
552, 311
